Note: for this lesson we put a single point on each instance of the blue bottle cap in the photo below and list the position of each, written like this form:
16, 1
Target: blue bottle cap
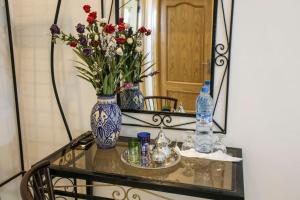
143, 134
205, 89
207, 82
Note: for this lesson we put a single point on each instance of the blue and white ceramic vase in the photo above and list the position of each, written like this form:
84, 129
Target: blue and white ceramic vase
132, 98
106, 120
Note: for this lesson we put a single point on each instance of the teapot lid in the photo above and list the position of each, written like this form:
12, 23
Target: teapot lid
161, 139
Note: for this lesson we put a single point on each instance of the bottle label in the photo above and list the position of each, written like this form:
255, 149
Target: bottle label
204, 148
206, 118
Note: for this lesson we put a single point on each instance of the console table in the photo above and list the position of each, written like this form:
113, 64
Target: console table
91, 168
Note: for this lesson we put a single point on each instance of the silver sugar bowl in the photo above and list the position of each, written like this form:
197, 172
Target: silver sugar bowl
158, 156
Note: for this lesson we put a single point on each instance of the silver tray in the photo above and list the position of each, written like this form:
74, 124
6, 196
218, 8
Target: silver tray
170, 162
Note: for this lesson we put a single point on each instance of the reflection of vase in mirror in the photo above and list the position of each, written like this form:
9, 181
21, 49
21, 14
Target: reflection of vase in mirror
132, 98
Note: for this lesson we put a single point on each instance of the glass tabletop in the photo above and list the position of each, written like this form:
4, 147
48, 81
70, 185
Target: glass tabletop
191, 171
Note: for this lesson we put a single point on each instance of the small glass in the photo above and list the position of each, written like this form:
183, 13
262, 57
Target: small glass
219, 145
188, 142
144, 138
134, 151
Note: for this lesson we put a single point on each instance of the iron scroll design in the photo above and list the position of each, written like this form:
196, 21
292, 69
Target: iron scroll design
221, 55
65, 186
159, 119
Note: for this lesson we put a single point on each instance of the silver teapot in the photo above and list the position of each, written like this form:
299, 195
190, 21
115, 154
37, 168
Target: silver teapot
162, 143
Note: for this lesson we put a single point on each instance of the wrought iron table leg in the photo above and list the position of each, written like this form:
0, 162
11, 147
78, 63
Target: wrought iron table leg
89, 190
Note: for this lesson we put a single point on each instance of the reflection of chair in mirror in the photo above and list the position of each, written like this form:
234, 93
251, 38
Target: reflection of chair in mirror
160, 103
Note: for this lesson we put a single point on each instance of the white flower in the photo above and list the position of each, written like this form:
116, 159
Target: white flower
100, 29
103, 20
122, 36
129, 40
127, 25
119, 51
138, 49
139, 42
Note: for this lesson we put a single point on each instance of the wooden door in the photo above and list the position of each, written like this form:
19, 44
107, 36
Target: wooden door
184, 44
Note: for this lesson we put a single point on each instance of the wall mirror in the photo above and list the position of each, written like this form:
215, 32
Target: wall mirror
190, 43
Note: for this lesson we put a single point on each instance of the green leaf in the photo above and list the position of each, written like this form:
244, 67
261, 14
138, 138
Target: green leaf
147, 69
105, 85
81, 63
84, 71
87, 79
80, 54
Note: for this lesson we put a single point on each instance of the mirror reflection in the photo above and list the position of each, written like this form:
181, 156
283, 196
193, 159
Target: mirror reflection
179, 47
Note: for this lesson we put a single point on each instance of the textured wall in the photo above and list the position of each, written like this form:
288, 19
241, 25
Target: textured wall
9, 147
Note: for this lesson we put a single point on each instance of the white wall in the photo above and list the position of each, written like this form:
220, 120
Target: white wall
9, 147
265, 67
264, 109
42, 125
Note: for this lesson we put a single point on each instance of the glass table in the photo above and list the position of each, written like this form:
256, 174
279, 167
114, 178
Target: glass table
192, 177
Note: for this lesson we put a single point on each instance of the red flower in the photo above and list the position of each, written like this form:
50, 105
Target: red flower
73, 43
121, 27
121, 20
120, 40
148, 32
142, 29
109, 28
92, 17
87, 8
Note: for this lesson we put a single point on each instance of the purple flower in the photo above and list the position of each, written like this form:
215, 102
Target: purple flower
54, 29
87, 51
82, 40
80, 28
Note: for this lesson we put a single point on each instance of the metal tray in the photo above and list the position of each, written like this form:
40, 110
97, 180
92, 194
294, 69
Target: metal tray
170, 162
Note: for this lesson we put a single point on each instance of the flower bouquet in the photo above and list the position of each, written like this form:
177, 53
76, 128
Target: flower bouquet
101, 60
135, 68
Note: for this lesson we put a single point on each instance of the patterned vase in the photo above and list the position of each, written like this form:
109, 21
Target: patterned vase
106, 120
132, 98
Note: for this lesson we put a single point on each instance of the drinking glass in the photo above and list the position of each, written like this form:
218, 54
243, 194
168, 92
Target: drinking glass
134, 151
188, 142
144, 138
219, 145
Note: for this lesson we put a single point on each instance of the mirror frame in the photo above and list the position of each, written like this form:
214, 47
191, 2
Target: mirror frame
221, 55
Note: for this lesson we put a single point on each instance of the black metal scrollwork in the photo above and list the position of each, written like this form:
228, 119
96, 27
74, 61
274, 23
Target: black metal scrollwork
221, 58
162, 119
159, 119
57, 184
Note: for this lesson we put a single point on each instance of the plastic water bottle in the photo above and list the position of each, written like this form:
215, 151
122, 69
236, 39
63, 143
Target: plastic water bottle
204, 112
204, 107
207, 83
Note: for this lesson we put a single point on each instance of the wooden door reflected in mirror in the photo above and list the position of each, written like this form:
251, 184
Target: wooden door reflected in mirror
180, 46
